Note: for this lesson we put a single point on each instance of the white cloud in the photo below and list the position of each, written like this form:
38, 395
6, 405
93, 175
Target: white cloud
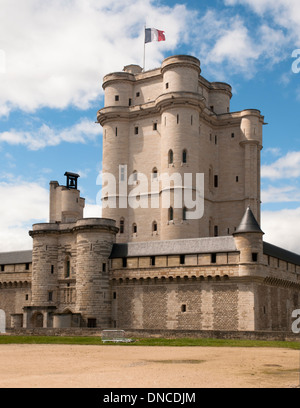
58, 51
282, 228
285, 167
228, 44
92, 211
21, 205
285, 13
280, 194
85, 130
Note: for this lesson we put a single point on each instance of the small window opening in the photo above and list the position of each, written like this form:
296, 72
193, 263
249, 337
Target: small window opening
152, 261
182, 259
2, 268
124, 262
136, 130
183, 308
216, 231
254, 257
171, 214
104, 267
122, 226
216, 181
117, 98
52, 269
92, 323
213, 258
184, 157
154, 126
115, 295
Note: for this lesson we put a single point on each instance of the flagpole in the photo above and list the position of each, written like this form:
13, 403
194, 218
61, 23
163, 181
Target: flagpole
144, 49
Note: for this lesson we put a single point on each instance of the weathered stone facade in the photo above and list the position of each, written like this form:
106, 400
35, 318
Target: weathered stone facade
151, 268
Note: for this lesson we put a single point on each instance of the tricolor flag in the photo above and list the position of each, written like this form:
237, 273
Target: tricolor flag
152, 34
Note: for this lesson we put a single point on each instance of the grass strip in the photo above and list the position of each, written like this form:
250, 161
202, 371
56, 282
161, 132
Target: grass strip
185, 342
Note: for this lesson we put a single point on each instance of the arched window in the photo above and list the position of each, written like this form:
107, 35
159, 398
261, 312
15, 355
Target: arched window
171, 214
122, 226
135, 176
184, 157
184, 212
134, 229
154, 226
154, 173
171, 157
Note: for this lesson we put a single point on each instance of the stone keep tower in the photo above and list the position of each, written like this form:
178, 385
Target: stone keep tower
70, 271
173, 121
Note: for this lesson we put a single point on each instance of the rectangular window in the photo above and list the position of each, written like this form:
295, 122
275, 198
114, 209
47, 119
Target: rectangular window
177, 119
216, 231
136, 130
183, 308
122, 175
115, 295
116, 131
237, 179
129, 102
182, 259
154, 126
216, 181
167, 85
152, 261
92, 323
26, 297
124, 262
52, 269
104, 267
232, 135
27, 267
137, 94
50, 296
254, 257
213, 258
117, 98
2, 268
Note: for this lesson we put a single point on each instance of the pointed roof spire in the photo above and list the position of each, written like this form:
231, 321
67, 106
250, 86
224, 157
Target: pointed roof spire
248, 223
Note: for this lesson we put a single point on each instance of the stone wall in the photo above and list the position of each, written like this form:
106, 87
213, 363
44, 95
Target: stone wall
181, 305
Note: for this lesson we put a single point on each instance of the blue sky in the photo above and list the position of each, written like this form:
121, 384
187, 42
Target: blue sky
54, 54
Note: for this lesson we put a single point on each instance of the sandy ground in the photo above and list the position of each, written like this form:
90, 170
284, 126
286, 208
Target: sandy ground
62, 366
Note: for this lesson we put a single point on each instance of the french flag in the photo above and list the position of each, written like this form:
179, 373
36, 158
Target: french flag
152, 34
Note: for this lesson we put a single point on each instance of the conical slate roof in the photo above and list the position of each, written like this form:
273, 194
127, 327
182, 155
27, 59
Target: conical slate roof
248, 223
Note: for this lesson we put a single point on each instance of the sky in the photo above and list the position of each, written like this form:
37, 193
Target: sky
54, 55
